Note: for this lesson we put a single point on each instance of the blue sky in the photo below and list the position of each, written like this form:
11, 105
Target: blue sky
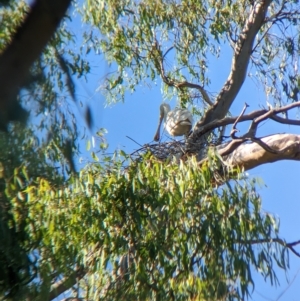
138, 118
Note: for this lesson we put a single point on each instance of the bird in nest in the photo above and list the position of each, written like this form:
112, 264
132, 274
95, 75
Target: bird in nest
177, 122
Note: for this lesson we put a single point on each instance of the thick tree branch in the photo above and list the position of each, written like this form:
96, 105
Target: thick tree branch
250, 155
66, 283
25, 47
240, 61
250, 135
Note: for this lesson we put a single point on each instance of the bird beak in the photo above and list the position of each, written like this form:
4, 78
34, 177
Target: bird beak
157, 134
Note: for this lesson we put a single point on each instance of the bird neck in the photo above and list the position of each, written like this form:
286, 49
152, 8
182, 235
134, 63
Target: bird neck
165, 112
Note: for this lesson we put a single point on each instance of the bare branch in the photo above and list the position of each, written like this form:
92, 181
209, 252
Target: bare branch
278, 110
230, 147
285, 120
250, 135
280, 241
234, 130
261, 114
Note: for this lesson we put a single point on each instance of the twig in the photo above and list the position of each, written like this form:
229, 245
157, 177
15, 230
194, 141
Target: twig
288, 286
234, 130
134, 141
167, 51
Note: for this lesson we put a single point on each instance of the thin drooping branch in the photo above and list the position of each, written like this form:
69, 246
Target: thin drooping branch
280, 241
25, 47
239, 65
285, 120
159, 59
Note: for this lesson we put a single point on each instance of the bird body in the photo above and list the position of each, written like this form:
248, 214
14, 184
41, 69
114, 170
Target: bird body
177, 122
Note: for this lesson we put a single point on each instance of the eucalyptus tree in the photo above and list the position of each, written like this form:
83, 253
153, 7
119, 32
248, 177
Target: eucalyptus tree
173, 221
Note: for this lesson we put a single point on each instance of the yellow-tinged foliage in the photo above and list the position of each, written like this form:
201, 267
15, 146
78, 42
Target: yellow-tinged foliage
184, 235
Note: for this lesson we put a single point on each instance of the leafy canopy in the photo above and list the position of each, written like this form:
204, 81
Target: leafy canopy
178, 41
186, 238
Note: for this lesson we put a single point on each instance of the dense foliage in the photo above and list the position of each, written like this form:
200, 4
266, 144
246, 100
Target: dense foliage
182, 238
179, 41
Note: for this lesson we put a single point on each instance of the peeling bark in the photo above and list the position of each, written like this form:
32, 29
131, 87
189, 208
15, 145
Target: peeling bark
250, 155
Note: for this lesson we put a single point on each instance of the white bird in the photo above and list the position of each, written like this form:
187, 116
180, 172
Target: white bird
178, 122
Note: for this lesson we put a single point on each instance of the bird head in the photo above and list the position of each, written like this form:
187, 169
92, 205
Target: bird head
164, 110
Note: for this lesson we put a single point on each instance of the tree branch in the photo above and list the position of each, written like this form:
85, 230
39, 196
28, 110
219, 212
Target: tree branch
250, 135
280, 241
234, 130
73, 299
260, 115
171, 82
239, 66
25, 47
66, 283
250, 155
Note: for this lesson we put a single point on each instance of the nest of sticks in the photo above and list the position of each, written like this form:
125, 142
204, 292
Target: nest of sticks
166, 150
